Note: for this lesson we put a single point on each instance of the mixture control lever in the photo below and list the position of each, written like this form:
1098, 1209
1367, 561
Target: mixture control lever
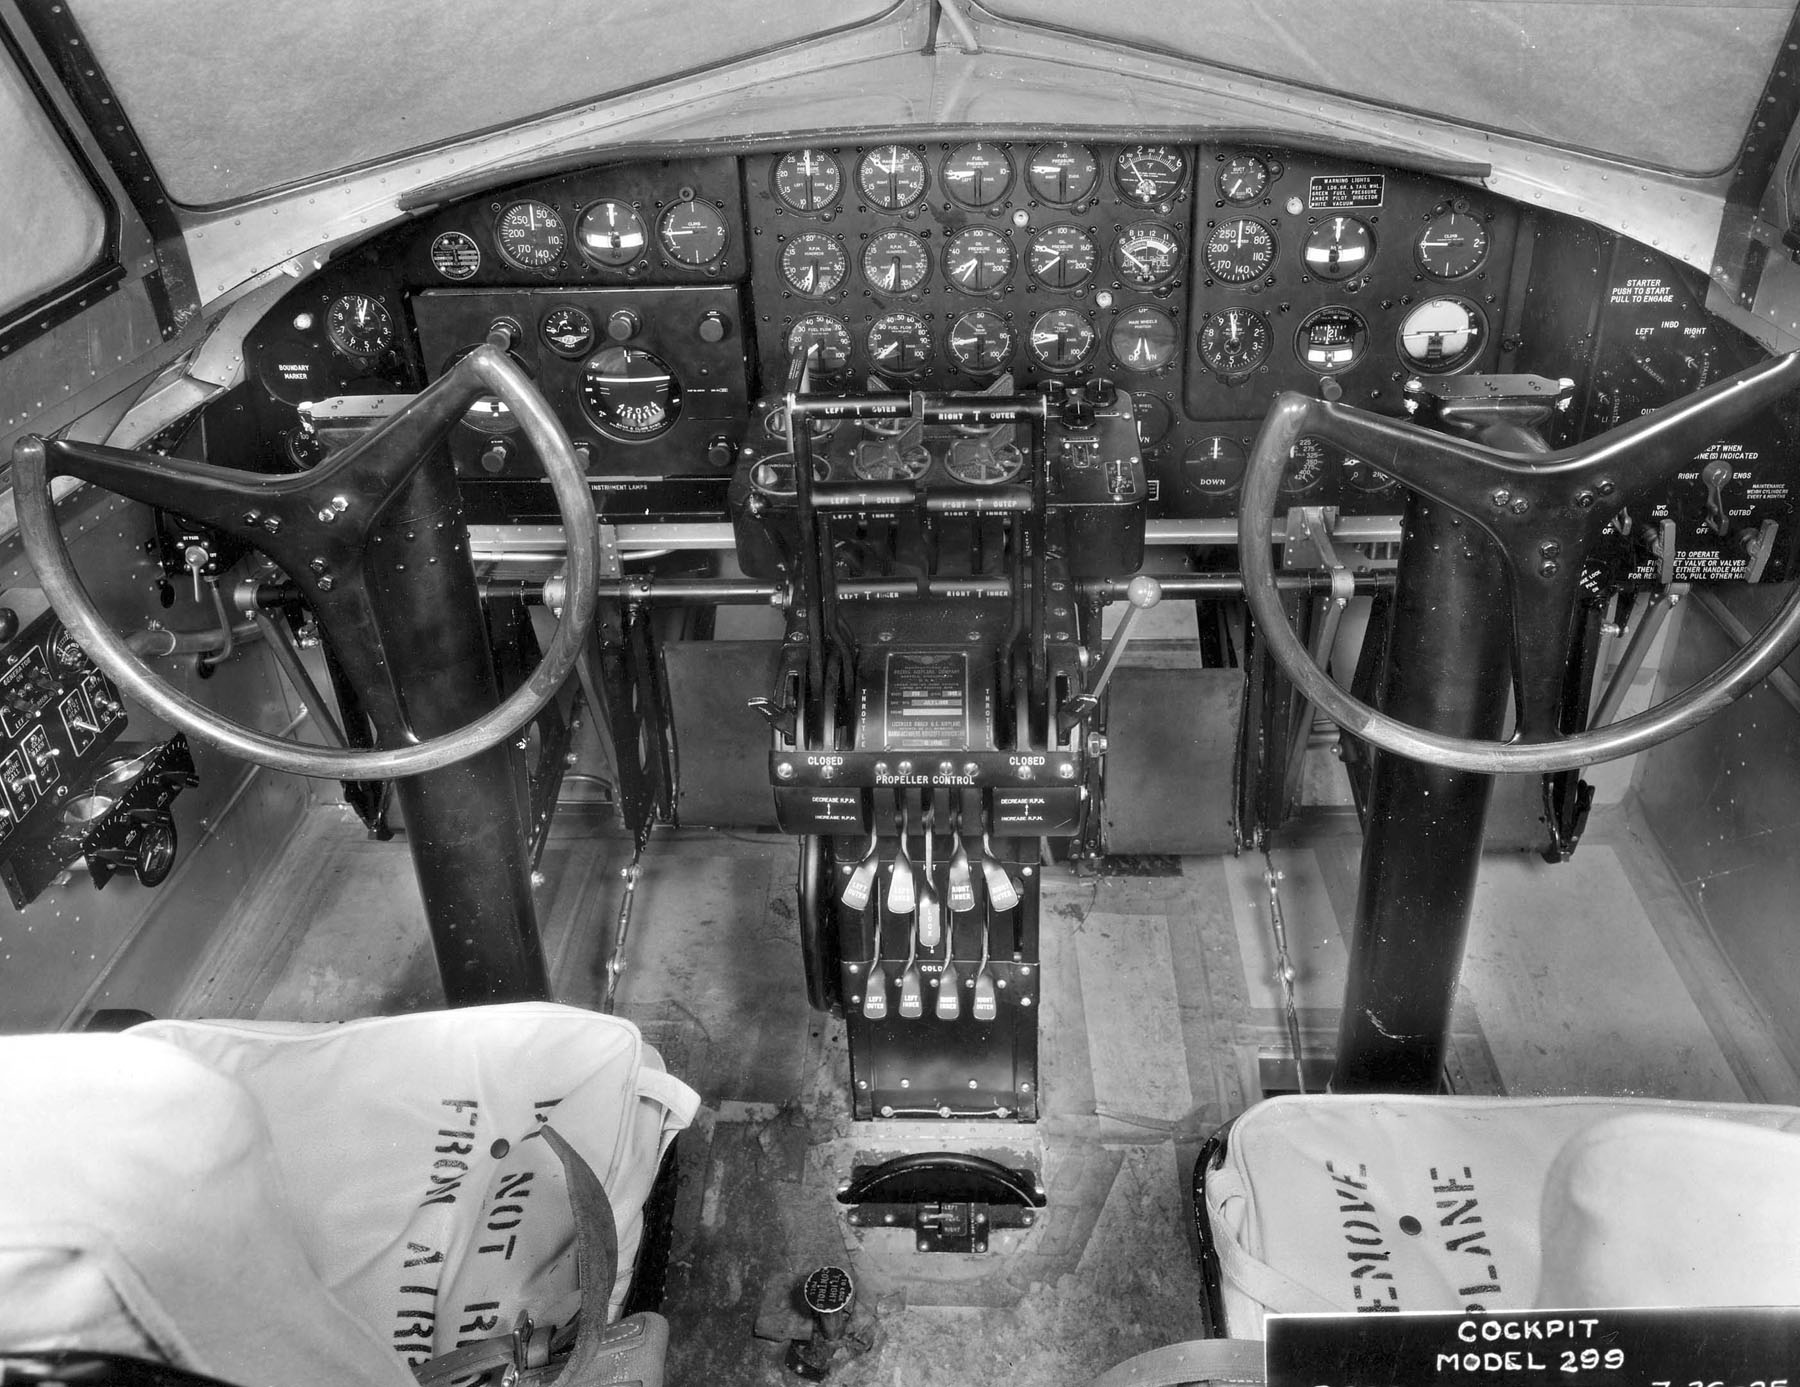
1142, 593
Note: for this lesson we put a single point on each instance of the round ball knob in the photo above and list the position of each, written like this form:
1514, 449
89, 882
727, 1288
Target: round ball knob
623, 325
493, 457
712, 326
1143, 591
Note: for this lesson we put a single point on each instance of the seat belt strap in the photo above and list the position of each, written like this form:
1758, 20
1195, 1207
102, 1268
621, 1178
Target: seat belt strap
1198, 1360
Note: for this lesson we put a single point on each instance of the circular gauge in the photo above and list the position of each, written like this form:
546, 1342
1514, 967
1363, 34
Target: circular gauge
1308, 460
359, 325
980, 463
814, 264
490, 414
692, 232
884, 460
1215, 465
977, 175
1453, 244
610, 233
1061, 257
65, 649
1147, 174
977, 259
569, 331
900, 344
1243, 178
1239, 251
1441, 334
891, 177
981, 343
1154, 417
630, 394
1143, 339
808, 180
826, 337
455, 255
1062, 339
896, 262
1366, 477
531, 235
1331, 339
1339, 248
1145, 255
1235, 341
1062, 174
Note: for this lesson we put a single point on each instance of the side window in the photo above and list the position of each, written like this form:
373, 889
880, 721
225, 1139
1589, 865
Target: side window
53, 225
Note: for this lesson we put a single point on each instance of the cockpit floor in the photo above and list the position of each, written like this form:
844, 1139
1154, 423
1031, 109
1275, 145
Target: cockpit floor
1161, 1018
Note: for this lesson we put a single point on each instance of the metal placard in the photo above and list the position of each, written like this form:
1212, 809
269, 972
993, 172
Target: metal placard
1331, 192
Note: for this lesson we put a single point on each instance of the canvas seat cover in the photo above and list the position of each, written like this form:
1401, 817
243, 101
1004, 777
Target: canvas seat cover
1341, 1203
288, 1204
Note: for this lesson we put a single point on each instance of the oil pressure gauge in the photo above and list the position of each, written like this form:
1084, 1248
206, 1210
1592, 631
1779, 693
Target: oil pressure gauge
977, 259
1061, 257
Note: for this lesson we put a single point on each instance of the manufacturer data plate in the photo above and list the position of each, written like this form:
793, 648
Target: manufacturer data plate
1326, 192
1758, 1347
927, 703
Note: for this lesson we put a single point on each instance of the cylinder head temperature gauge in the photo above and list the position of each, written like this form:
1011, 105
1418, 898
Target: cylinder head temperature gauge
1062, 339
1442, 334
981, 342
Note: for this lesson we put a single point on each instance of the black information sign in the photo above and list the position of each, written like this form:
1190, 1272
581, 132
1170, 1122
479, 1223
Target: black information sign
1537, 1348
1331, 191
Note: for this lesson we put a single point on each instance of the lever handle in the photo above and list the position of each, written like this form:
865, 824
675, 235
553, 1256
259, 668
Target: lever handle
875, 993
949, 997
912, 996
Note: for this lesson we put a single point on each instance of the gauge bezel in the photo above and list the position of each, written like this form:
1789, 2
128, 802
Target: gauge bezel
1441, 214
1253, 317
534, 264
1183, 172
598, 261
662, 233
1237, 463
1081, 233
1138, 228
467, 245
979, 371
895, 233
968, 233
842, 329
949, 186
1462, 360
572, 353
877, 202
1332, 368
341, 339
620, 435
919, 328
1262, 185
1174, 338
1268, 264
843, 256
1087, 355
799, 209
1086, 194
1318, 229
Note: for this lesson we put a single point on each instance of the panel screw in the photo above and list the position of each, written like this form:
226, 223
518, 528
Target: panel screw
1502, 496
784, 770
1550, 549
1548, 568
327, 515
1606, 486
1520, 506
272, 523
1583, 499
327, 583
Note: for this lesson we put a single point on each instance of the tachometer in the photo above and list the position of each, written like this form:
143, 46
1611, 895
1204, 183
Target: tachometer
455, 255
1061, 257
900, 344
1062, 174
1453, 244
896, 262
1441, 335
1235, 341
977, 259
891, 176
808, 180
359, 325
1339, 248
1062, 339
1239, 251
610, 233
824, 336
981, 342
1145, 255
814, 264
1243, 178
692, 232
1331, 339
1143, 339
1148, 174
978, 174
531, 235
630, 394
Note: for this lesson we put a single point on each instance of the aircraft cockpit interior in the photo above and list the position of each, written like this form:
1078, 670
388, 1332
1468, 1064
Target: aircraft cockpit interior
914, 692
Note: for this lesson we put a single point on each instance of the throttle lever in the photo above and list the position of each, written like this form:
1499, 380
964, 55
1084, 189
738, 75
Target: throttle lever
1716, 476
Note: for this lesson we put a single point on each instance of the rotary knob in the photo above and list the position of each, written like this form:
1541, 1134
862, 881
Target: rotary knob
623, 325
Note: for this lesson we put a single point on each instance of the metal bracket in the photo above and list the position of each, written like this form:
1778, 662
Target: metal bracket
954, 1226
952, 1201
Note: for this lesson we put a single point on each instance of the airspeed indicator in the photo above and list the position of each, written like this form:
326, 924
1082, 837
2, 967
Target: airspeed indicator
1239, 251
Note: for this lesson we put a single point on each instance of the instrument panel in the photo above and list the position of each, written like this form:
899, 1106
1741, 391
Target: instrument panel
663, 306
